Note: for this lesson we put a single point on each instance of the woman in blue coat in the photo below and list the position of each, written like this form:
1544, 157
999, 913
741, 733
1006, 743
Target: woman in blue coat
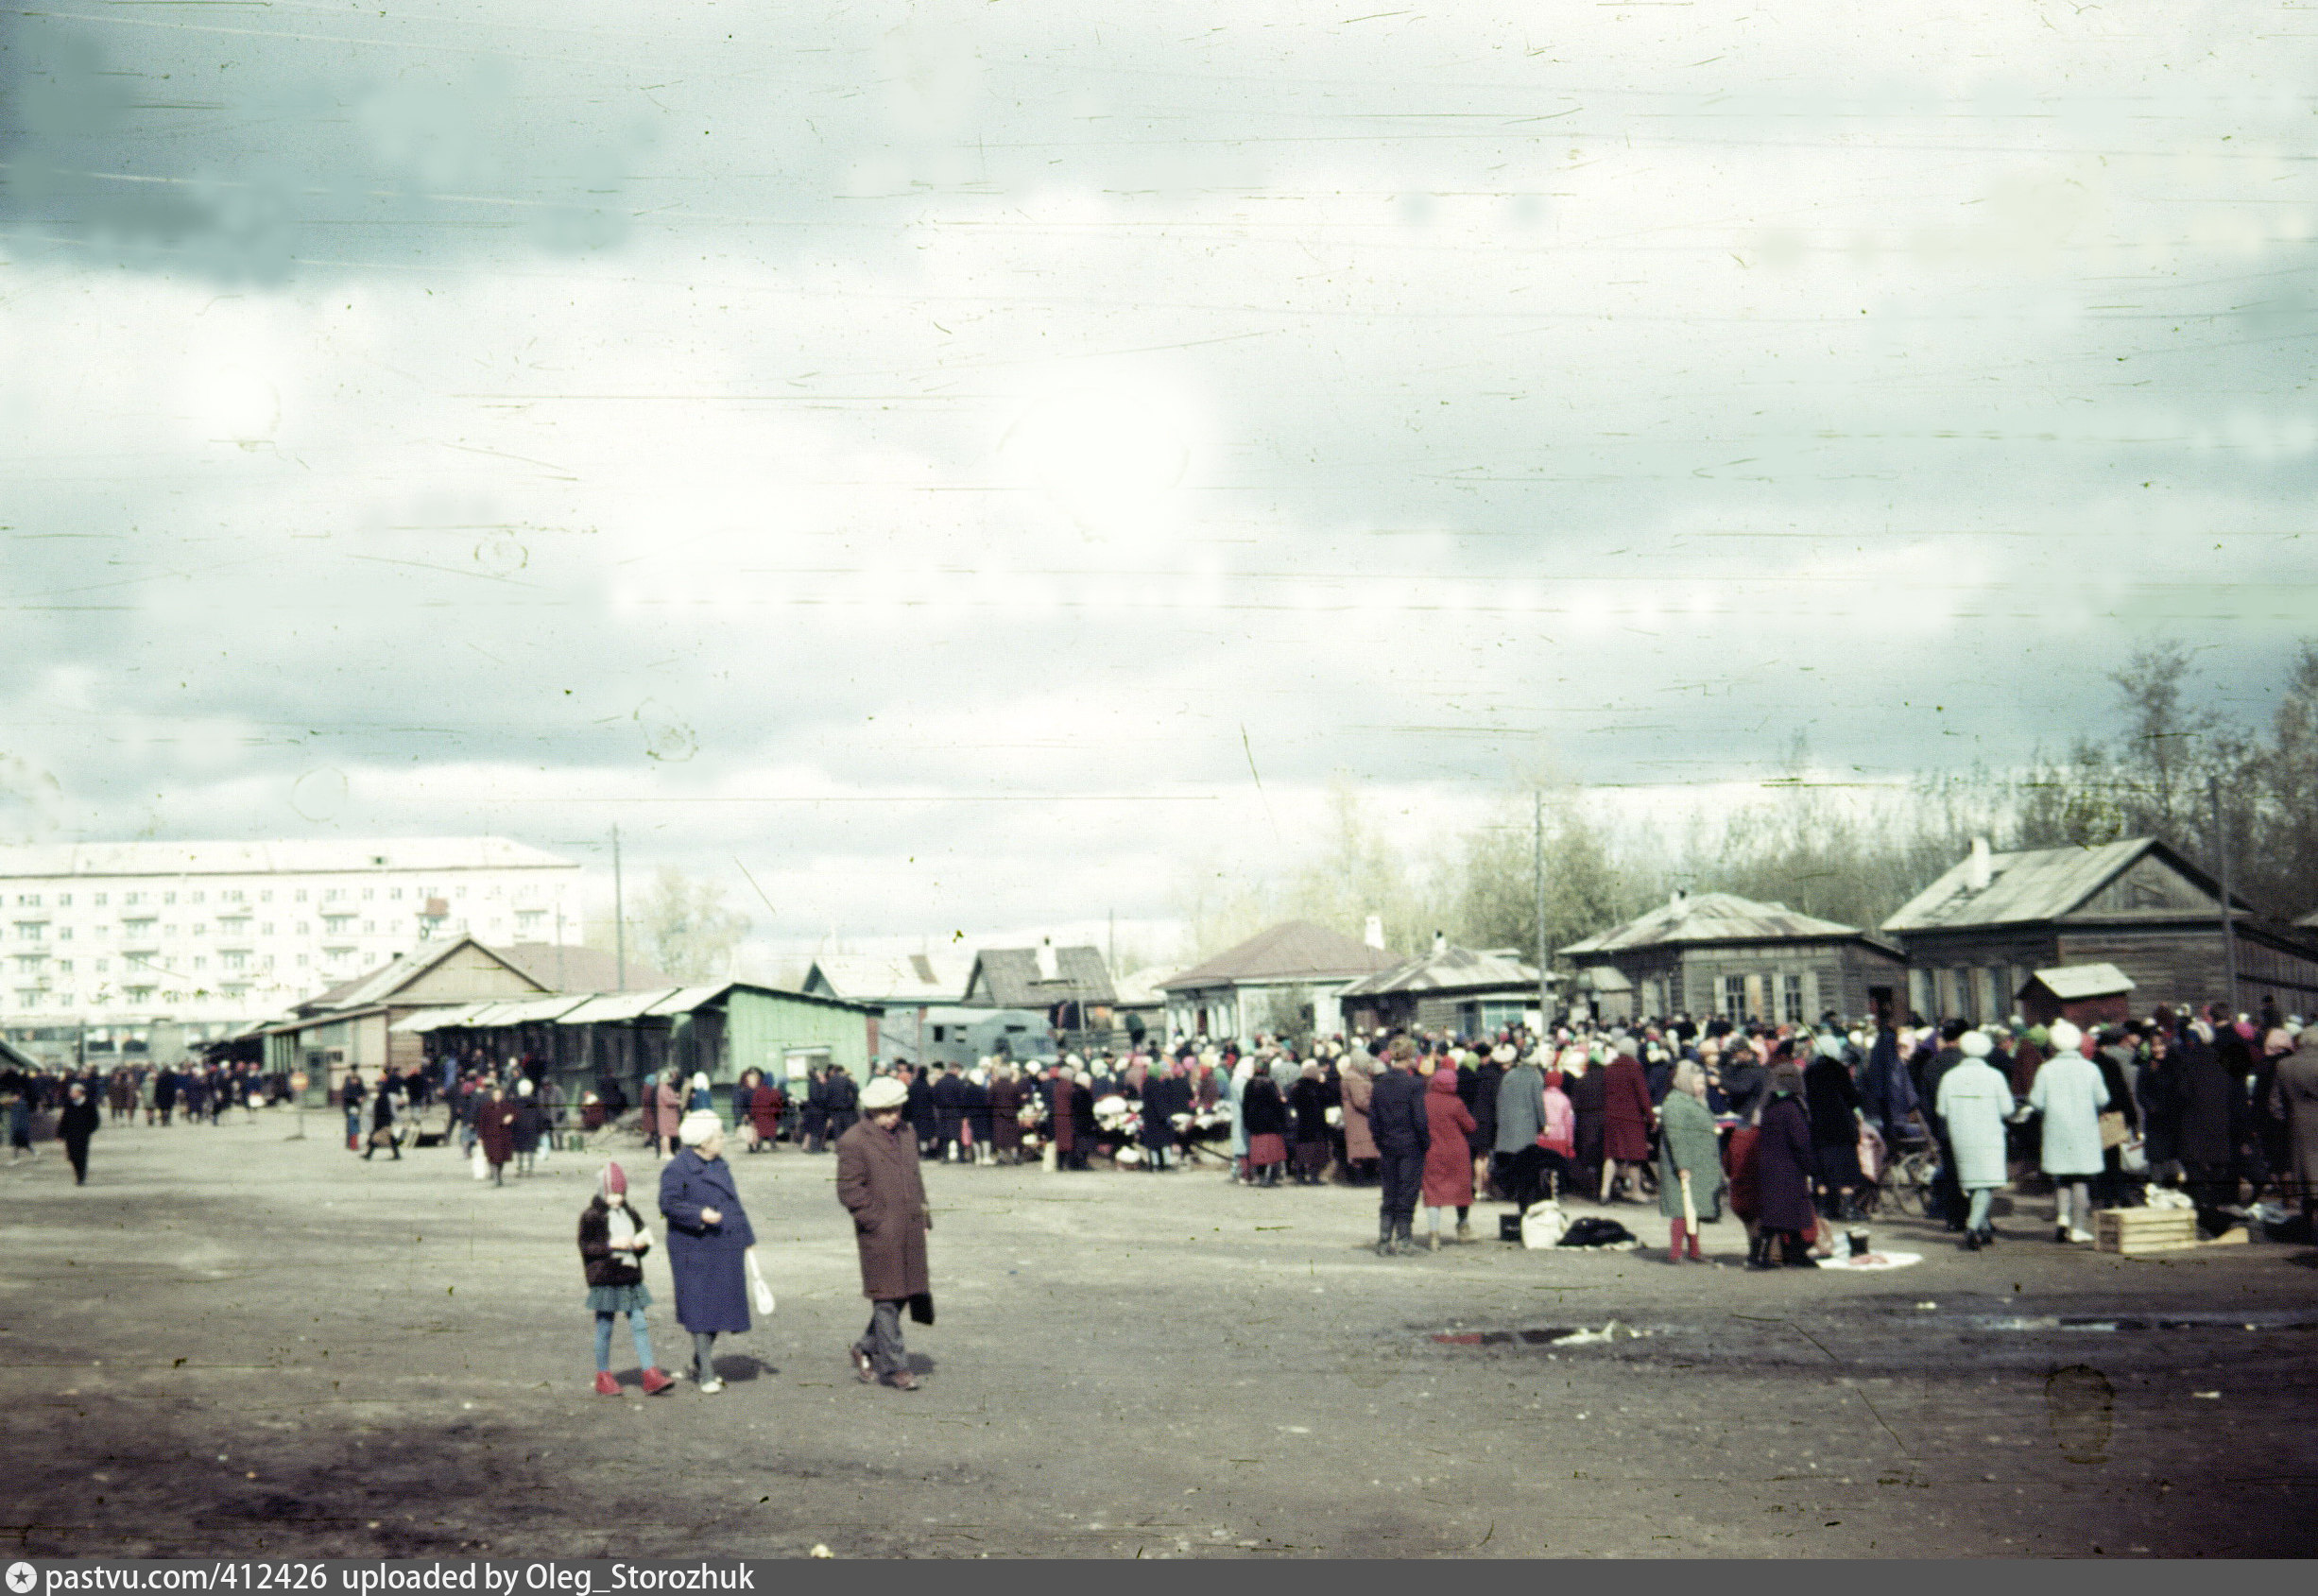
708, 1242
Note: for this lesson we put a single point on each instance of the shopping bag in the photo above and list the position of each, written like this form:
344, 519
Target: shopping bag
758, 1288
482, 1165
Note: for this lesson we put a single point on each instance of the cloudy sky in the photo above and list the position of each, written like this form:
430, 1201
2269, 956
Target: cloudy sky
976, 463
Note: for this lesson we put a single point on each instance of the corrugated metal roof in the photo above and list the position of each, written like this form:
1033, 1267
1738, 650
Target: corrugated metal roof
1292, 950
528, 1011
2069, 982
614, 1006
2040, 884
436, 1019
1711, 916
914, 978
685, 998
1452, 970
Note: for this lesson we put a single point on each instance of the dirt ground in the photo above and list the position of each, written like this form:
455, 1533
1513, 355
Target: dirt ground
232, 1342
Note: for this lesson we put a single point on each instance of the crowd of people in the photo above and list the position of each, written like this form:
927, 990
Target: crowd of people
70, 1105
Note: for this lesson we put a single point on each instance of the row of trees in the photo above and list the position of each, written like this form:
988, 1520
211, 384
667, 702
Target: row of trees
1841, 853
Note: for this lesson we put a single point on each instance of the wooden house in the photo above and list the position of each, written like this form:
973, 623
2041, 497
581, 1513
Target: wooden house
1286, 981
1717, 953
1455, 990
1973, 936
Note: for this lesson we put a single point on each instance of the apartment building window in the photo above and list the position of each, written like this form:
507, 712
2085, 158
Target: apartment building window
64, 934
27, 899
200, 928
64, 899
64, 966
168, 898
302, 894
28, 931
200, 962
531, 922
1791, 999
103, 965
99, 900
234, 960
27, 997
396, 894
301, 961
370, 927
266, 896
195, 898
29, 964
266, 930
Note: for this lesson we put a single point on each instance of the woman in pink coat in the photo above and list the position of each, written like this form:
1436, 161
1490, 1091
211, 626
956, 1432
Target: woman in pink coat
1448, 1168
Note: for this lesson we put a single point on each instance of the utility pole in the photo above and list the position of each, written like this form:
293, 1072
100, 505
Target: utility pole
1545, 999
2229, 931
619, 912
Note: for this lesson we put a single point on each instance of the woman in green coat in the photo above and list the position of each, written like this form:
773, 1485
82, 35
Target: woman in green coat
1687, 1145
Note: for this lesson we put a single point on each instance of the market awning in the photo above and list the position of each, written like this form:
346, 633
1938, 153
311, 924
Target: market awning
615, 1005
434, 1019
534, 1011
685, 998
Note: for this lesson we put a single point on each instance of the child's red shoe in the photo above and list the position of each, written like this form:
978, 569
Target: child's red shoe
655, 1383
605, 1384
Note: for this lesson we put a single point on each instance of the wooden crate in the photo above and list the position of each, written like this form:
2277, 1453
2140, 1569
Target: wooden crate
2135, 1230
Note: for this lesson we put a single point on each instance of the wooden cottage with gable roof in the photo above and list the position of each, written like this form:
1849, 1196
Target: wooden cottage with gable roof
1973, 936
1288, 980
1716, 954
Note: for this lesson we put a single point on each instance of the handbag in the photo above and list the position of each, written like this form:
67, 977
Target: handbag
757, 1287
921, 1308
2113, 1132
481, 1165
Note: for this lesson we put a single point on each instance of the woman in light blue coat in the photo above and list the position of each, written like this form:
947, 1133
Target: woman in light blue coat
1974, 1103
2069, 1093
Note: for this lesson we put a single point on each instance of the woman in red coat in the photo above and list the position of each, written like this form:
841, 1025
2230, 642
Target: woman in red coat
495, 1130
1625, 1120
1449, 1167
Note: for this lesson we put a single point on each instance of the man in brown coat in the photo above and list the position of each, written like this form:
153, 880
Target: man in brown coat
878, 1182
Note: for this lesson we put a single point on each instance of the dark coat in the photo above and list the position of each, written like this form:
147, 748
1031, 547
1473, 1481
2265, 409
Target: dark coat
919, 1110
712, 1281
604, 1266
1059, 1104
1449, 1158
1834, 1102
2207, 1098
1006, 1115
78, 1122
1396, 1116
1482, 1103
528, 1123
948, 1094
495, 1130
878, 1184
1308, 1103
1625, 1110
1784, 1167
1163, 1097
1588, 1094
1261, 1109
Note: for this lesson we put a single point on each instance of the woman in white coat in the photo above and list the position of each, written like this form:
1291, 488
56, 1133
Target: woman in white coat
1974, 1103
2069, 1093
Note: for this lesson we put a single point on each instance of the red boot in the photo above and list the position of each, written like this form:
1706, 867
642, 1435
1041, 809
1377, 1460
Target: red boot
605, 1384
1674, 1243
654, 1381
1696, 1257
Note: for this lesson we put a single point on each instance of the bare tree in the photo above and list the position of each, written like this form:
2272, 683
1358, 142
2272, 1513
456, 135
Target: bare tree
683, 926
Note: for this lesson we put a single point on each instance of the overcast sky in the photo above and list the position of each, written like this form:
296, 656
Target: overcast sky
977, 462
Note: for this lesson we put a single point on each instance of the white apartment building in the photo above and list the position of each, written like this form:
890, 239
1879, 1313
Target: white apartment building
106, 947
